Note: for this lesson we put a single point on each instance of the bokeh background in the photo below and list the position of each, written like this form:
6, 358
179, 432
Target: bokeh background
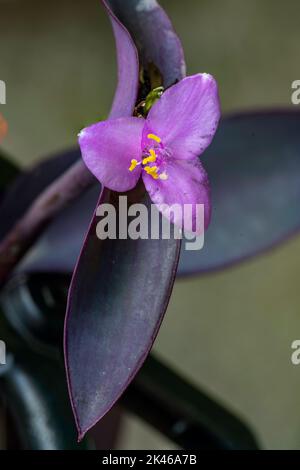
230, 333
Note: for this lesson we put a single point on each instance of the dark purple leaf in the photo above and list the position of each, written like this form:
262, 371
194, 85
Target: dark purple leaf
118, 297
120, 288
154, 34
128, 68
31, 183
8, 172
52, 253
254, 169
51, 249
26, 187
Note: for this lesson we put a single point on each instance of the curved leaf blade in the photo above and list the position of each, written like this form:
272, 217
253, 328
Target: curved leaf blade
254, 170
249, 155
154, 34
116, 305
8, 172
29, 184
128, 68
118, 296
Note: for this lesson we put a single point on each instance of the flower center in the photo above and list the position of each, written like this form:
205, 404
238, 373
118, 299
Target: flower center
153, 160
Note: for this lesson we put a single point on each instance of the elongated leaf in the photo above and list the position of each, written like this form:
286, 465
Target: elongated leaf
32, 182
118, 296
153, 32
254, 170
164, 399
128, 67
8, 172
29, 184
37, 399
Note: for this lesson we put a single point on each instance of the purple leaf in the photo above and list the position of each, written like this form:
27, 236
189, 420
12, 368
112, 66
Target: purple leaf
118, 297
154, 34
128, 68
254, 170
120, 288
29, 184
32, 182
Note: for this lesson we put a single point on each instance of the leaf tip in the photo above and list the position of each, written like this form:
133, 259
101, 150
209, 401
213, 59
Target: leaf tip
81, 435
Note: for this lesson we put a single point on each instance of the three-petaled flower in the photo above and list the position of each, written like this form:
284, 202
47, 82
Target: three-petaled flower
163, 149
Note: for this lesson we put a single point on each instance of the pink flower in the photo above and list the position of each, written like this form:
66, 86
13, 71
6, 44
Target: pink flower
163, 149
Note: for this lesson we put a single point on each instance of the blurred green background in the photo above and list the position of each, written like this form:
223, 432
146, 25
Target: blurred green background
229, 332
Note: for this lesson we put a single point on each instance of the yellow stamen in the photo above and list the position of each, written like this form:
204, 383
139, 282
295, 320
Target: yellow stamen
152, 171
134, 163
154, 137
150, 159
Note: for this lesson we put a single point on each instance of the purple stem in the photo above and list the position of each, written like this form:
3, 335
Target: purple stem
52, 200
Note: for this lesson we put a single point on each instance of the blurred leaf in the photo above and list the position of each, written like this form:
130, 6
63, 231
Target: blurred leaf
31, 321
185, 414
254, 169
29, 184
8, 172
37, 399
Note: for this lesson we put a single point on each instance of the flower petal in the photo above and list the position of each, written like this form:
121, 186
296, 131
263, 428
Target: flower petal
107, 149
186, 116
187, 183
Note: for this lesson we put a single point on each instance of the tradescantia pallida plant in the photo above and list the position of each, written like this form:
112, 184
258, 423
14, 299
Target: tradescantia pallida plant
114, 315
120, 288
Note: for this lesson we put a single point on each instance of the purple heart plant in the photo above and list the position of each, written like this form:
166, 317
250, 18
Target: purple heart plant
114, 314
149, 148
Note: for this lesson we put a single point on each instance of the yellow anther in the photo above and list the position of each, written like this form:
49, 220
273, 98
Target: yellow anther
134, 163
152, 171
154, 137
150, 159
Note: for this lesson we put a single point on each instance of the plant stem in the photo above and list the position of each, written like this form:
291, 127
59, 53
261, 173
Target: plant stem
50, 202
